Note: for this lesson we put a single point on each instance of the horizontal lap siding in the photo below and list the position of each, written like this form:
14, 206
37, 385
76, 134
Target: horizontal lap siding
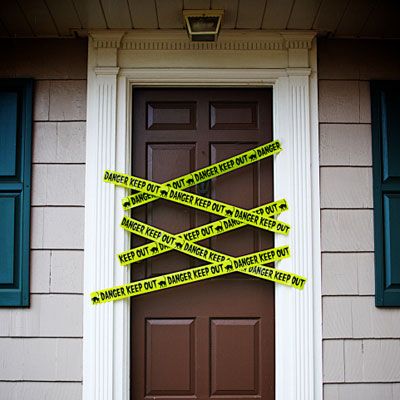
361, 348
41, 390
361, 345
41, 346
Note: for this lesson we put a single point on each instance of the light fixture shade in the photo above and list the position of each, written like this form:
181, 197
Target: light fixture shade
203, 25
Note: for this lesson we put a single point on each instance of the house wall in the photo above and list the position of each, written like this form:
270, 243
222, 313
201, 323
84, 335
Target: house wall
41, 346
361, 345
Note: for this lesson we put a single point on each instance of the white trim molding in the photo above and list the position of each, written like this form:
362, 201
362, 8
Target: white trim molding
119, 61
177, 40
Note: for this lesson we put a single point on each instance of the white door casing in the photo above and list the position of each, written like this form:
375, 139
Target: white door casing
119, 61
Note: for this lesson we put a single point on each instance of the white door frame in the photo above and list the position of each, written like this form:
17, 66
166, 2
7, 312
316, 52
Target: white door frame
119, 61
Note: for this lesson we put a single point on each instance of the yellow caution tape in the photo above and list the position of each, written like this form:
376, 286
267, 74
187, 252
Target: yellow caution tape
173, 241
210, 172
195, 201
235, 217
194, 275
276, 275
197, 234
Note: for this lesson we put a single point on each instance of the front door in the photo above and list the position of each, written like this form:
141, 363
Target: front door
215, 338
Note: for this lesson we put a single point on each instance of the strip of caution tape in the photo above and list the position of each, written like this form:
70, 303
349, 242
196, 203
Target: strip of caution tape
208, 271
195, 201
210, 172
276, 275
197, 234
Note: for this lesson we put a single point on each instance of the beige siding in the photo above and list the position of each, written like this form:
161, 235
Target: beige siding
347, 274
361, 347
345, 145
346, 187
339, 101
67, 100
57, 228
333, 354
366, 391
41, 390
372, 360
54, 315
347, 230
41, 346
59, 142
41, 359
56, 185
66, 271
56, 271
357, 317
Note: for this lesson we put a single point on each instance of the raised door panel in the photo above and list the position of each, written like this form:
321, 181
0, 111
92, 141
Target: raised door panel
233, 115
170, 357
235, 350
169, 115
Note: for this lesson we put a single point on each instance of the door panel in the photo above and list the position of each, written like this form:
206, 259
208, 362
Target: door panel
171, 116
233, 115
242, 361
170, 369
213, 338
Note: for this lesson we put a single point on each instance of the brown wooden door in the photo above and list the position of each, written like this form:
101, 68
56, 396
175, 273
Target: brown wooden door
212, 339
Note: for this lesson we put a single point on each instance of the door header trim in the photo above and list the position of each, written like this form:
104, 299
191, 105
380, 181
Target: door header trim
229, 39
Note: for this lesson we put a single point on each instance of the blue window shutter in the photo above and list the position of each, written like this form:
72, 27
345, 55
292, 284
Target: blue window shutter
385, 98
15, 190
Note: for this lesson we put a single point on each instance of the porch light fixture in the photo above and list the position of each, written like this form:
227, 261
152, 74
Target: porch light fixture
203, 25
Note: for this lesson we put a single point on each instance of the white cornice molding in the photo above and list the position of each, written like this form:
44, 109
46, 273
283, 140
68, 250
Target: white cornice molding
106, 39
166, 39
298, 40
